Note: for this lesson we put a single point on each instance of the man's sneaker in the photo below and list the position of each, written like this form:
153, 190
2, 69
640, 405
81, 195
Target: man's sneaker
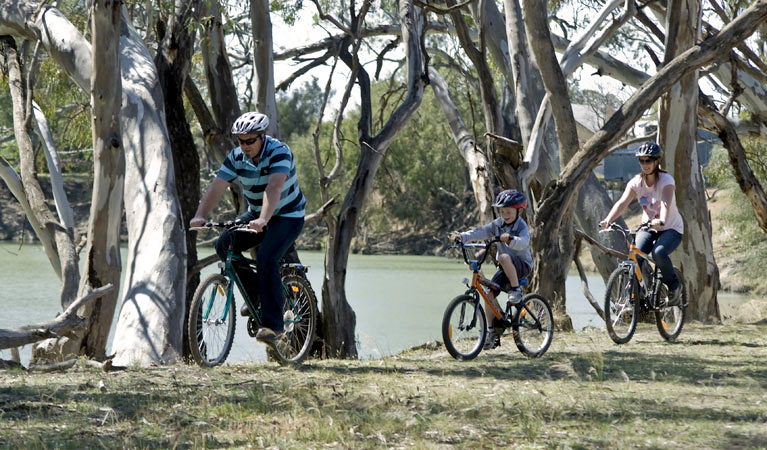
675, 296
268, 336
515, 297
244, 311
492, 340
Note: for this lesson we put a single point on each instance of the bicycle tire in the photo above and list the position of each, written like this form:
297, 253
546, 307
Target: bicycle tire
210, 340
464, 328
620, 305
670, 319
534, 328
300, 319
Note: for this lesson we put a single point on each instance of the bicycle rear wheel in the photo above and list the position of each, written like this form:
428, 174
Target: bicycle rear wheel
534, 327
211, 322
464, 327
620, 304
670, 319
300, 317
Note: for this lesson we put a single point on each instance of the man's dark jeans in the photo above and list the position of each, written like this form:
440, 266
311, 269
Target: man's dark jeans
660, 245
280, 234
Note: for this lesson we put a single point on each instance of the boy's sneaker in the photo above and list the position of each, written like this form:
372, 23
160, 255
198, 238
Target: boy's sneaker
515, 297
492, 340
675, 296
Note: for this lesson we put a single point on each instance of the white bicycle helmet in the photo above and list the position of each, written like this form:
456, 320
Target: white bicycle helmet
250, 123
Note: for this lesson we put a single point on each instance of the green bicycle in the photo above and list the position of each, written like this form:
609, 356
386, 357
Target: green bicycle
212, 314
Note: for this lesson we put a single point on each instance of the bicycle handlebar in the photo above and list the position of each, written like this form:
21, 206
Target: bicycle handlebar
229, 225
481, 245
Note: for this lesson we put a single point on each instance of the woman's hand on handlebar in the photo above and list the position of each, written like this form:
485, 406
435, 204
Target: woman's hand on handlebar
604, 224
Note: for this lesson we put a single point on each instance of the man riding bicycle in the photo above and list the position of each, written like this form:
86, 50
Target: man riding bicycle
655, 189
276, 208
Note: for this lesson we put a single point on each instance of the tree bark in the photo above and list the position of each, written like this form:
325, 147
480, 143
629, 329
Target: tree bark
103, 264
263, 59
149, 327
338, 317
475, 161
561, 193
173, 61
677, 131
64, 247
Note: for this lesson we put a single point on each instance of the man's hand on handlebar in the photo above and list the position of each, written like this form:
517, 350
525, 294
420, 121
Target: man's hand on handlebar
197, 221
257, 225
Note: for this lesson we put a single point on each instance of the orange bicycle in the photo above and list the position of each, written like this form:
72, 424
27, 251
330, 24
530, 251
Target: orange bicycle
631, 290
464, 326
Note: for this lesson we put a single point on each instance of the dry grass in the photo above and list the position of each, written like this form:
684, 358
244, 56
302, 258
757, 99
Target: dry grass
707, 391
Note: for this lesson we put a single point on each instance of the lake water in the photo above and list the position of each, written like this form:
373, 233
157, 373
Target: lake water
398, 300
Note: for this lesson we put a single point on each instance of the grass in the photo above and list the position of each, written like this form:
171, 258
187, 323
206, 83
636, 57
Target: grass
707, 391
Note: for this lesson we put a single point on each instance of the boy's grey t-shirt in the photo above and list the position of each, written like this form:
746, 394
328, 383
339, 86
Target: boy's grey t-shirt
519, 245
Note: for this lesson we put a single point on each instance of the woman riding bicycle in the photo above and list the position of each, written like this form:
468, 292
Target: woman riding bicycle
655, 189
267, 171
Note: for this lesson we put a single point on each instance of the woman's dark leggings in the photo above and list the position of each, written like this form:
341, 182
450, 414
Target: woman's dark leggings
660, 245
280, 234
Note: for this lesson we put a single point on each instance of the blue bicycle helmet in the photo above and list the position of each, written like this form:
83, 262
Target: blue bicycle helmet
510, 198
649, 149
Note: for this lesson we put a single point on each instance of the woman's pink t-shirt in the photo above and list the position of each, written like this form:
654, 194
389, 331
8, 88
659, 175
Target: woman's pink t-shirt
649, 198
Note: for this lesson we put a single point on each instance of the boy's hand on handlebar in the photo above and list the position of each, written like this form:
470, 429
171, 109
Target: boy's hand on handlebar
455, 237
505, 238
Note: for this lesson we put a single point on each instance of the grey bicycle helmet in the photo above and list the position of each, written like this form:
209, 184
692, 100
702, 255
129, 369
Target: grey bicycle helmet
649, 149
250, 123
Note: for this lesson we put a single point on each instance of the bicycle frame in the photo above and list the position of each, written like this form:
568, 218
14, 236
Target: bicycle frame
227, 269
651, 285
479, 283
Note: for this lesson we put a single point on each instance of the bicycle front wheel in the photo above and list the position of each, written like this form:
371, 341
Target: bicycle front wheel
211, 322
670, 319
620, 305
534, 326
464, 327
300, 317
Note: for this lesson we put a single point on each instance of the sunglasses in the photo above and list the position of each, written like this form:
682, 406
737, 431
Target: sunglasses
250, 141
646, 160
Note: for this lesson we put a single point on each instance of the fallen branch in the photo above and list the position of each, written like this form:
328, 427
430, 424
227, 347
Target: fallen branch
64, 365
64, 323
584, 280
581, 235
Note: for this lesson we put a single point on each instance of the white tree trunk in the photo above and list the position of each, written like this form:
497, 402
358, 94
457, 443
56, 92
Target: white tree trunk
63, 208
263, 59
678, 127
475, 160
149, 330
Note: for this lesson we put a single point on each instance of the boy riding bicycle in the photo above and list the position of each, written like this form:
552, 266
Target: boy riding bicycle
513, 252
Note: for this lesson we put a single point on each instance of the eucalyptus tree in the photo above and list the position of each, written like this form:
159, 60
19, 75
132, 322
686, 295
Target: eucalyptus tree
149, 326
339, 320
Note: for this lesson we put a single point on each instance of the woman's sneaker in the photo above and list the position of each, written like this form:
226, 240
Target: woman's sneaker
675, 296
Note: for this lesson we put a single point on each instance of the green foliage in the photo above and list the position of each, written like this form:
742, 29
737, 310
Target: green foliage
299, 109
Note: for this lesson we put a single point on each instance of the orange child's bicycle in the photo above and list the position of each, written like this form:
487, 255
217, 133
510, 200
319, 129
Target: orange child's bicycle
464, 326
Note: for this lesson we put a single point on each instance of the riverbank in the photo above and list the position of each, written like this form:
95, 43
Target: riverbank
707, 391
738, 261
